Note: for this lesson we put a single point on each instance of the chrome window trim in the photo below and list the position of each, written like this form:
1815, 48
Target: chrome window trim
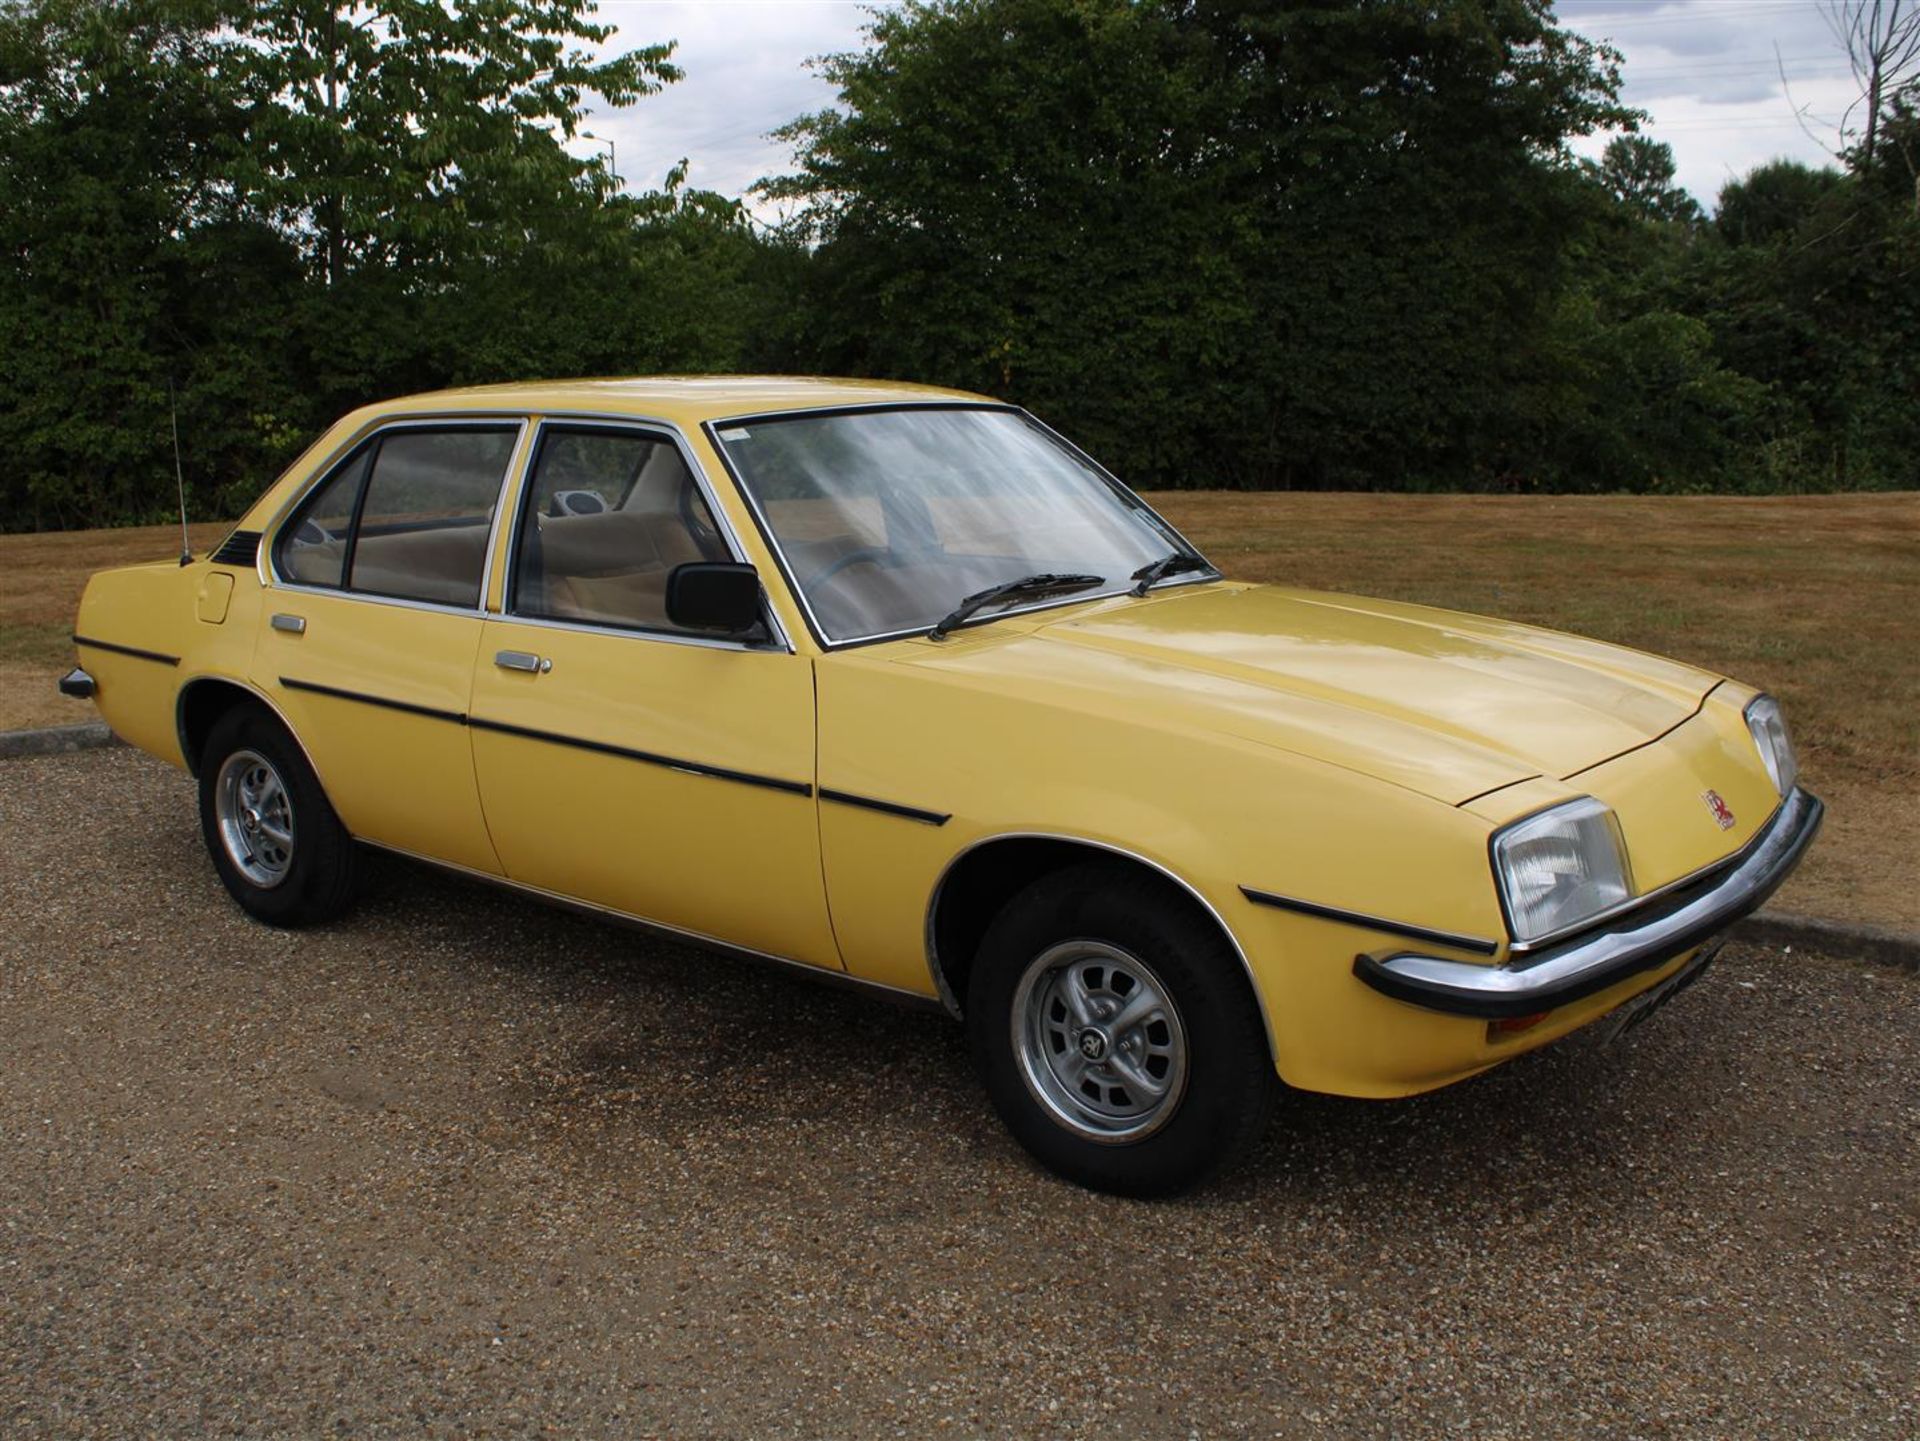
777, 646
368, 597
267, 562
712, 428
530, 423
928, 402
729, 535
517, 464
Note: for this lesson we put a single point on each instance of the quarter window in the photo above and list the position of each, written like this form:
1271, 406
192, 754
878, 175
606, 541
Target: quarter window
313, 549
407, 515
609, 514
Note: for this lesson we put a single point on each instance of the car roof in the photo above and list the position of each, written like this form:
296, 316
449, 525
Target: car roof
685, 399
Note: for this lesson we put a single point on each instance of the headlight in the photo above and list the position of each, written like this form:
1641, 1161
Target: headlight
1769, 727
1561, 867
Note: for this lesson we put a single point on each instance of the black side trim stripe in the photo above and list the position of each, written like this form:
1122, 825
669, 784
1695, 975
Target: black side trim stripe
696, 768
890, 808
1476, 944
134, 651
408, 707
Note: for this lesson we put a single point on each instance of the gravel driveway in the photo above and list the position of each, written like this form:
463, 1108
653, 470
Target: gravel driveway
465, 1166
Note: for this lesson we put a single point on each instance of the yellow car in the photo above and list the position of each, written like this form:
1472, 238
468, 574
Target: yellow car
897, 686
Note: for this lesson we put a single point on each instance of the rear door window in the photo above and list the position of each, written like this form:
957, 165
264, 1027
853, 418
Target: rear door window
408, 515
428, 507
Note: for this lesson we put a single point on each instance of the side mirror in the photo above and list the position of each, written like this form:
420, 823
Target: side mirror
714, 595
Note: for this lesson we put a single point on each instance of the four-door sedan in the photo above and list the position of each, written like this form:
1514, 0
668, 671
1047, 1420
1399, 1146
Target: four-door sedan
896, 686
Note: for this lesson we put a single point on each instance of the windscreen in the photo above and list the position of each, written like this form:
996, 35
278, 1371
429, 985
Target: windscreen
888, 519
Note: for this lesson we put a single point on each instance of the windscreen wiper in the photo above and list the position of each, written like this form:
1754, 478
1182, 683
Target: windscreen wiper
1155, 571
1045, 583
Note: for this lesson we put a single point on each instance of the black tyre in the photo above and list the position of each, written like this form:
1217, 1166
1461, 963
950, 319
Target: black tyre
279, 848
1117, 1034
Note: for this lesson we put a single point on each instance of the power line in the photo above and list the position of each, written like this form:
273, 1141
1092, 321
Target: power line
1750, 9
1732, 67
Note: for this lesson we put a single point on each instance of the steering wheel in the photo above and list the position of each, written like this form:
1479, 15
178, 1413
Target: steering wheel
881, 555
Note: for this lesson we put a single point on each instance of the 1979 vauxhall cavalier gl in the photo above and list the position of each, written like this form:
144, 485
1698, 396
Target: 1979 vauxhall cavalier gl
896, 685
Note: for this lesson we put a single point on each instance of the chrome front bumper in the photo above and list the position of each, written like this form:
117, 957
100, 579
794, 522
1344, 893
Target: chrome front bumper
1669, 925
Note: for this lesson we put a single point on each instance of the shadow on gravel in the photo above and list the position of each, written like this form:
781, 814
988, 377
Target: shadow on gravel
651, 1042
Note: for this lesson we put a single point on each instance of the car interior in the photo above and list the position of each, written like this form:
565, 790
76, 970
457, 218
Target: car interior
610, 566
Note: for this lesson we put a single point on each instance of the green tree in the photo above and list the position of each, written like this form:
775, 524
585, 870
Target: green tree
1015, 198
267, 211
1639, 173
127, 264
1771, 202
1826, 314
414, 132
1305, 243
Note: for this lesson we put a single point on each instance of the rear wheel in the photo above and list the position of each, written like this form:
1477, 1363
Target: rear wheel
280, 850
1114, 1028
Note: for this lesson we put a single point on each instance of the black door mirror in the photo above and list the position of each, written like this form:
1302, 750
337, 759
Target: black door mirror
714, 595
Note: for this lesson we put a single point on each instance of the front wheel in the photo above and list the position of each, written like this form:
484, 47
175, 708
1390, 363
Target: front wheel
274, 839
1116, 1033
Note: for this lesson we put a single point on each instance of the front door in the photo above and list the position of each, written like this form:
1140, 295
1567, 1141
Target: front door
625, 761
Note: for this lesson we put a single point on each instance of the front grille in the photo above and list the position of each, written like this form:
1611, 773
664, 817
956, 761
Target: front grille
240, 548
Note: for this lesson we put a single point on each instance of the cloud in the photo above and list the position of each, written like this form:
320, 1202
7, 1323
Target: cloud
1706, 71
1709, 75
746, 76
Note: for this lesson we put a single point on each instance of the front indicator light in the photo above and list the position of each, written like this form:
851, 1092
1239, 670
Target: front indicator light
1512, 1025
1560, 868
1767, 724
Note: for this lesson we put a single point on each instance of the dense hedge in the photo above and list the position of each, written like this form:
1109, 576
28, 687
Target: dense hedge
1303, 243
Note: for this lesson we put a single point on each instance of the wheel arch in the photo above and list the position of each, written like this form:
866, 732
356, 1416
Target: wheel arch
982, 878
206, 698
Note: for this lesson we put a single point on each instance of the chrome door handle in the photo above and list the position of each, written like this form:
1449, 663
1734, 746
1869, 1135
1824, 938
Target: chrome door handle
522, 660
291, 624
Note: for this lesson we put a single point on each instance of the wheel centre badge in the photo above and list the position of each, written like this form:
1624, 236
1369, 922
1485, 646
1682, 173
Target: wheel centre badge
1093, 1045
1722, 812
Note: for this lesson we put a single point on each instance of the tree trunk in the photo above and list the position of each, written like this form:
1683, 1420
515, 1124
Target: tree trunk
336, 228
1873, 108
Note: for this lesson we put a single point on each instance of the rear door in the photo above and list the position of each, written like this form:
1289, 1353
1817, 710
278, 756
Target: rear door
373, 625
623, 760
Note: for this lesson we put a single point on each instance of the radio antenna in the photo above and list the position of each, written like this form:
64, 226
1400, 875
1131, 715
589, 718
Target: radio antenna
179, 475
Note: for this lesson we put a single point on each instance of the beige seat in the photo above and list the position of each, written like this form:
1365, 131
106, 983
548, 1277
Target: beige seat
442, 564
611, 567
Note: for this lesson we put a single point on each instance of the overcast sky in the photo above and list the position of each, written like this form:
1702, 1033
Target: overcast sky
1705, 70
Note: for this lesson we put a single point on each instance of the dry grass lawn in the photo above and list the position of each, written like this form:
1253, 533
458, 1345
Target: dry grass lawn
1816, 599
41, 577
